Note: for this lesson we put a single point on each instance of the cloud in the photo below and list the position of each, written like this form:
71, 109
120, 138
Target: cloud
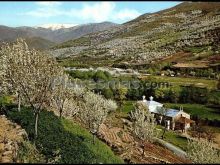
97, 12
127, 14
46, 9
48, 3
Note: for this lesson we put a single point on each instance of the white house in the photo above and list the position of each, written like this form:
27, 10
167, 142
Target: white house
173, 118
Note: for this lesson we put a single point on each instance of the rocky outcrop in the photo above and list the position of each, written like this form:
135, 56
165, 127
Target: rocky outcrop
11, 136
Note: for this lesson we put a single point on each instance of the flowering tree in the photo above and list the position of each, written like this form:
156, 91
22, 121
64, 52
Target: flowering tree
94, 110
144, 126
61, 92
31, 73
201, 151
163, 111
9, 56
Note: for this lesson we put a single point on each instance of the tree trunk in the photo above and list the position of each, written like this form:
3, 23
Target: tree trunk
142, 145
19, 102
61, 111
36, 124
164, 130
93, 138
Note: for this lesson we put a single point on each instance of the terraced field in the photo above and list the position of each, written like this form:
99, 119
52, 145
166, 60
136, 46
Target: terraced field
130, 150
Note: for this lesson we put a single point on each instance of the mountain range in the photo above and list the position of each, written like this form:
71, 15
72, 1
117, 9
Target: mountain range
189, 31
51, 34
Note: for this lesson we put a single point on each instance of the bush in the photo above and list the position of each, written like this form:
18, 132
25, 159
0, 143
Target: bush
108, 93
28, 153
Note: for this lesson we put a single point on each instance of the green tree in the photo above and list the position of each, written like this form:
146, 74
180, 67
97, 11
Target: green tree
174, 95
120, 95
218, 85
108, 75
99, 75
159, 93
107, 92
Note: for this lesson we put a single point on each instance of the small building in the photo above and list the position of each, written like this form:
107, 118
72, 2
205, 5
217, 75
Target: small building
172, 118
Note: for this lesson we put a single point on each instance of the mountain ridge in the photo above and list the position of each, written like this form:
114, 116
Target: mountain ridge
53, 35
152, 36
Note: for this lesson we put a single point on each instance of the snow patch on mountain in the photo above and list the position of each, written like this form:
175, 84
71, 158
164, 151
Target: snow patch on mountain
56, 26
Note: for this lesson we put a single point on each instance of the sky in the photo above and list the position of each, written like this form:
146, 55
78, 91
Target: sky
34, 13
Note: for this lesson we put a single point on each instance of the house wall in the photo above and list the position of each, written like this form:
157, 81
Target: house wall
153, 108
186, 115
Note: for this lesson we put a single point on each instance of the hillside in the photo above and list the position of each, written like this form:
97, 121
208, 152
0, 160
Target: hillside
63, 141
14, 144
39, 43
190, 27
34, 42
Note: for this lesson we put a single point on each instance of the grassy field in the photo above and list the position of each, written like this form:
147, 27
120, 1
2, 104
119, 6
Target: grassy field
128, 106
86, 62
196, 109
174, 138
63, 138
210, 84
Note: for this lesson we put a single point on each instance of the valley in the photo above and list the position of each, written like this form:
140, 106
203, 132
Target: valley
144, 91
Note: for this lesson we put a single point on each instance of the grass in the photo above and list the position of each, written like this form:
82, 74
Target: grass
173, 138
197, 109
61, 137
84, 61
128, 106
194, 109
82, 41
210, 84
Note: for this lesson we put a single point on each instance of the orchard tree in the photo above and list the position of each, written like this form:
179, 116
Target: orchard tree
162, 111
61, 92
9, 56
143, 123
94, 110
111, 105
202, 152
72, 106
32, 73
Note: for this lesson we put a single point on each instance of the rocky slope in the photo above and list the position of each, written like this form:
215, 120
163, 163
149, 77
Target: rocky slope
152, 36
11, 136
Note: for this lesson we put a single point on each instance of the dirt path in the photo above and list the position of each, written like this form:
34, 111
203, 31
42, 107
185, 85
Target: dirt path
178, 151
